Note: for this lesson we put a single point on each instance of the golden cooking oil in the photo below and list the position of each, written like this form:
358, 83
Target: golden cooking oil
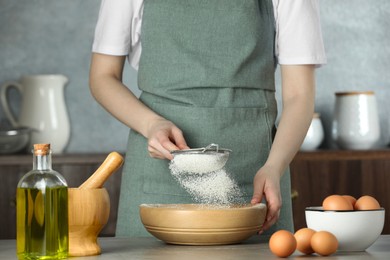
42, 211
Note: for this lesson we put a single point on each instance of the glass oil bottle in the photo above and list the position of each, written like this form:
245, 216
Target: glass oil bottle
42, 210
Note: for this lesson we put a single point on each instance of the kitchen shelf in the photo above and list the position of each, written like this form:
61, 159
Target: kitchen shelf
345, 155
314, 175
27, 159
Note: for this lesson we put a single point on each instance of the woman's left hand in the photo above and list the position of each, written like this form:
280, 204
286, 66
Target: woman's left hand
297, 113
267, 183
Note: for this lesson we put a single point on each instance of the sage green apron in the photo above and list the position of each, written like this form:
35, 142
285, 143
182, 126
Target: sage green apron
208, 66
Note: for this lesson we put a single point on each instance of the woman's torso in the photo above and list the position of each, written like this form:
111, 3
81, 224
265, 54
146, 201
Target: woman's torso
204, 53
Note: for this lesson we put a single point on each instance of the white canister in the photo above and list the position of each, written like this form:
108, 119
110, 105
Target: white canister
314, 135
355, 122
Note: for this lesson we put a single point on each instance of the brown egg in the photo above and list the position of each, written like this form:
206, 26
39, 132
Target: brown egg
303, 237
282, 243
367, 203
336, 202
350, 198
324, 243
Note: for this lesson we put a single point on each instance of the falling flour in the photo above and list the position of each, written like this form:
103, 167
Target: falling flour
205, 179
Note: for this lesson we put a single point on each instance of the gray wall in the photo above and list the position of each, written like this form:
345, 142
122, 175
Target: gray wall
46, 36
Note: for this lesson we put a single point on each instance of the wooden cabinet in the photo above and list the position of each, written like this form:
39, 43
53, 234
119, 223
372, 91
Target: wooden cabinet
314, 175
75, 168
317, 174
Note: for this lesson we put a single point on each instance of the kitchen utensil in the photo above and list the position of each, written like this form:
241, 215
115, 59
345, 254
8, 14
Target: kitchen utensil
43, 109
314, 135
202, 224
355, 121
210, 149
112, 163
354, 230
89, 210
211, 158
14, 140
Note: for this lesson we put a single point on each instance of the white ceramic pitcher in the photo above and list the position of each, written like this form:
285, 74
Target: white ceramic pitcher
43, 109
355, 123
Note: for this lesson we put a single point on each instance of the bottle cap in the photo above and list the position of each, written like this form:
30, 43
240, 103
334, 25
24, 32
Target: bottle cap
41, 149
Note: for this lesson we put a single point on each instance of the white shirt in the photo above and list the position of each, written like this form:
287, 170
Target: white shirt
298, 31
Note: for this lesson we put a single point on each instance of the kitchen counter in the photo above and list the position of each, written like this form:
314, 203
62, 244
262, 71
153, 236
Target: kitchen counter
150, 248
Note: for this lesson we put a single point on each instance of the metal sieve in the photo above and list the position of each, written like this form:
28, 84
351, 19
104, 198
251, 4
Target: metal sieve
194, 158
210, 149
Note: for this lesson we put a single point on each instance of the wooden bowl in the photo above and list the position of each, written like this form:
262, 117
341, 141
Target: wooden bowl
198, 224
89, 210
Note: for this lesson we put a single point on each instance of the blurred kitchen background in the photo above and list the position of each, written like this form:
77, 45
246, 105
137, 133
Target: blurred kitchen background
55, 37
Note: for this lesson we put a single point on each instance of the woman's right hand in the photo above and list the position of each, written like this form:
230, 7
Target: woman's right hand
163, 137
107, 88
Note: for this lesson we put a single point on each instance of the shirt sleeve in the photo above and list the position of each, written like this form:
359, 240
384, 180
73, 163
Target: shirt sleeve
118, 29
298, 32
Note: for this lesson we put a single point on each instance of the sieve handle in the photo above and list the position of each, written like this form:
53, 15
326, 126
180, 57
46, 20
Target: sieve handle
213, 147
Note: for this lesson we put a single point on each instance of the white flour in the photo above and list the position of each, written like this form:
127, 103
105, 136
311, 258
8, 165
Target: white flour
205, 179
198, 163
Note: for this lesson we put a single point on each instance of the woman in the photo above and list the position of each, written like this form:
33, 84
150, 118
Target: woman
206, 71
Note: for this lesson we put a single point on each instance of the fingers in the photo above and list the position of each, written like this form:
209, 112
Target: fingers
265, 185
258, 187
273, 213
178, 138
160, 148
259, 183
165, 140
274, 204
160, 153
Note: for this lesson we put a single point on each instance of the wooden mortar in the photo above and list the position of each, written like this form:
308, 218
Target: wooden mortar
89, 209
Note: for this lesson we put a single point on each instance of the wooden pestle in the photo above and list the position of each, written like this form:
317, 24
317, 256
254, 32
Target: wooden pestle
112, 163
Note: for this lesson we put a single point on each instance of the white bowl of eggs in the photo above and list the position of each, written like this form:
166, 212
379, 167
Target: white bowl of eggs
357, 224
